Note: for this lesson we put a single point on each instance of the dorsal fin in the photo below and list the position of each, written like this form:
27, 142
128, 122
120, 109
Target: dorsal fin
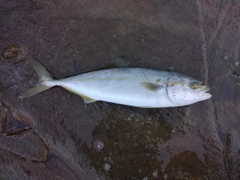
118, 63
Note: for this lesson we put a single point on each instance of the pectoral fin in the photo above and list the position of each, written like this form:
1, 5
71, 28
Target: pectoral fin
151, 86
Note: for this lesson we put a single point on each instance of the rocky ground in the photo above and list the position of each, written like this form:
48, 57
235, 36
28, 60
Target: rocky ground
53, 135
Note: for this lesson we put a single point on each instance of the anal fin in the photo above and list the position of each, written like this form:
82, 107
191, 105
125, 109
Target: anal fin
87, 99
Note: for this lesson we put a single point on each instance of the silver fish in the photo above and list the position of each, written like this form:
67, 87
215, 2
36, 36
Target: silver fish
139, 87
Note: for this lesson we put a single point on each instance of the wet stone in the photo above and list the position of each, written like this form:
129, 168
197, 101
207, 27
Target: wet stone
128, 144
98, 145
185, 165
155, 174
106, 167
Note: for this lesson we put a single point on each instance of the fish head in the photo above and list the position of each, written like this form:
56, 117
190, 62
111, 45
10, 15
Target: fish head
184, 90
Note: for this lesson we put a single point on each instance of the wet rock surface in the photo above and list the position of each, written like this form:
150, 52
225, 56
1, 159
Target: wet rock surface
53, 135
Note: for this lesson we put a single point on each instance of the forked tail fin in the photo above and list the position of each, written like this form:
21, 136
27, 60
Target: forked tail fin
44, 82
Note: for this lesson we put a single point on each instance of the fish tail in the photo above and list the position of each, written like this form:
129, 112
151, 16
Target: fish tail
45, 81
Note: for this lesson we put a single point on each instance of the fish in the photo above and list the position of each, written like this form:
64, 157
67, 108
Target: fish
125, 85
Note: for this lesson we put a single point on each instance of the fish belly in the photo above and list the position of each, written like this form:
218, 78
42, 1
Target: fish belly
121, 86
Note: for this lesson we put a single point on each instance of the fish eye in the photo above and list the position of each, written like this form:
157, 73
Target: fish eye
194, 85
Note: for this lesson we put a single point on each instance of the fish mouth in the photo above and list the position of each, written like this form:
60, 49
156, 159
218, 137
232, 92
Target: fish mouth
203, 94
